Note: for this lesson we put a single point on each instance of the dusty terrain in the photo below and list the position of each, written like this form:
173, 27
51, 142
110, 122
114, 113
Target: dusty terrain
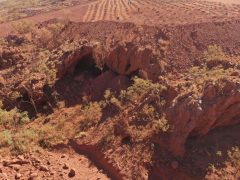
150, 12
11, 10
116, 91
50, 165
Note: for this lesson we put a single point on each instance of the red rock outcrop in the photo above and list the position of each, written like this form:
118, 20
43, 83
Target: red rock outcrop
219, 105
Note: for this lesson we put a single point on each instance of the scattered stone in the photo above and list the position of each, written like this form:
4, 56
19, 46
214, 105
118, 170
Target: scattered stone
63, 156
5, 163
3, 176
18, 176
43, 168
65, 166
21, 157
16, 167
36, 160
33, 176
71, 173
174, 164
20, 162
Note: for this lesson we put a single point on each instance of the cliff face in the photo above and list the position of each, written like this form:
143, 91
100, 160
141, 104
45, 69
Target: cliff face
217, 106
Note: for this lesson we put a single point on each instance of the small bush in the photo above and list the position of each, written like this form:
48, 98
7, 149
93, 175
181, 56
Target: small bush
48, 136
213, 53
13, 118
162, 124
43, 36
5, 138
92, 113
139, 88
148, 111
22, 141
47, 68
23, 27
111, 99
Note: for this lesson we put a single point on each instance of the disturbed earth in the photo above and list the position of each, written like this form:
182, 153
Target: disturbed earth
107, 90
142, 12
50, 165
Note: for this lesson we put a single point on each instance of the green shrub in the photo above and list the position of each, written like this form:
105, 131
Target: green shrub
46, 67
214, 52
162, 124
48, 136
13, 118
147, 114
111, 99
139, 88
23, 26
92, 113
43, 36
22, 141
5, 138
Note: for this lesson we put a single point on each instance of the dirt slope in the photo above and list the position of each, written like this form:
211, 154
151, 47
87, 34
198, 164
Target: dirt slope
150, 12
64, 164
185, 43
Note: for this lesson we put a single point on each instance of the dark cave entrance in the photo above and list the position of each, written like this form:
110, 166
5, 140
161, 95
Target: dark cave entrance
87, 66
79, 84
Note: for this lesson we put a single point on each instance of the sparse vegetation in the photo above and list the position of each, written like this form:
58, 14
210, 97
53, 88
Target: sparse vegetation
23, 27
13, 137
139, 88
23, 141
5, 138
110, 99
214, 52
13, 10
92, 114
47, 68
162, 124
204, 74
13, 118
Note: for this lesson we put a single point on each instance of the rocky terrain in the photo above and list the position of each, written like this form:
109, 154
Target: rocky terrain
49, 165
120, 100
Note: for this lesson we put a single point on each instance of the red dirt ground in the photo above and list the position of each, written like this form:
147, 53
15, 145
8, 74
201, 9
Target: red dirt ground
50, 165
148, 12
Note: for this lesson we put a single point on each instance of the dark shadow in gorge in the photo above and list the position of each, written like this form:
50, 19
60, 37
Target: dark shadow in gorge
73, 86
87, 82
200, 153
210, 149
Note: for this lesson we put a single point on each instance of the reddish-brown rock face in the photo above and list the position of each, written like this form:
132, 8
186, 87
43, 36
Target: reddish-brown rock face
218, 106
123, 60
